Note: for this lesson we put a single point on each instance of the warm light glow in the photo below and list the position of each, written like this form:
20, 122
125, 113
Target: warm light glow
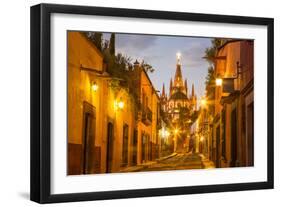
95, 86
121, 104
203, 102
176, 131
115, 105
164, 133
167, 133
178, 55
218, 81
201, 138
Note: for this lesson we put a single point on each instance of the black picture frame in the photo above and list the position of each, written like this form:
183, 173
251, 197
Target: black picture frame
41, 96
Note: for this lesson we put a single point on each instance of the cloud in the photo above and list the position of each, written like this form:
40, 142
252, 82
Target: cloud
152, 58
193, 56
134, 43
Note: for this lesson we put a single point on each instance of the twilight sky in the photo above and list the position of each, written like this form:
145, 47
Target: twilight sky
160, 52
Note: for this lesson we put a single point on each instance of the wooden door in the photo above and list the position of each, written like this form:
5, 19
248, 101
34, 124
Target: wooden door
109, 151
89, 131
233, 138
250, 135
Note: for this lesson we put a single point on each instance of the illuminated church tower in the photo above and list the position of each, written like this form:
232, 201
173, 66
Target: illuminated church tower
178, 99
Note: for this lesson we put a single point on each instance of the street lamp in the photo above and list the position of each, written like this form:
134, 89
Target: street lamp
95, 86
119, 104
218, 81
203, 102
228, 82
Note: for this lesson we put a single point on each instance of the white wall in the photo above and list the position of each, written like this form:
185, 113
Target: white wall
14, 101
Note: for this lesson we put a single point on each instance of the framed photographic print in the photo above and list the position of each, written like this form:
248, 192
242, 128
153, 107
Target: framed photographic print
132, 103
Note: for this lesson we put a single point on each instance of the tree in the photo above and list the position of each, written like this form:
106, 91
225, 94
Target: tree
210, 83
112, 44
210, 54
96, 38
119, 65
147, 67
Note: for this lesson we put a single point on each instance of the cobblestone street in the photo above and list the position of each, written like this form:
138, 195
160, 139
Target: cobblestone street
176, 161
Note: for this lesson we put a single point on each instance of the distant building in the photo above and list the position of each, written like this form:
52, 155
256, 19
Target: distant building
178, 95
179, 105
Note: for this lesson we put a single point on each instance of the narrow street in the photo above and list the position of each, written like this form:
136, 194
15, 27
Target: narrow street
176, 161
127, 124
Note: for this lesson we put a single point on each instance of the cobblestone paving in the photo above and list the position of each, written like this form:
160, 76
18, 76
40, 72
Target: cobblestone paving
178, 162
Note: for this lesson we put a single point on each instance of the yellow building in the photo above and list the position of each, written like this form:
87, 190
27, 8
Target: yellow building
148, 123
232, 140
107, 130
100, 113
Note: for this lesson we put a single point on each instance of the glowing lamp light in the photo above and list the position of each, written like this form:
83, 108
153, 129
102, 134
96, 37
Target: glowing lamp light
164, 133
202, 139
203, 102
218, 81
121, 104
176, 131
167, 133
95, 86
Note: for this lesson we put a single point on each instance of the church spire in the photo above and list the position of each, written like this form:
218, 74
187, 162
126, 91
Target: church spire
192, 93
178, 82
163, 91
178, 58
171, 87
185, 87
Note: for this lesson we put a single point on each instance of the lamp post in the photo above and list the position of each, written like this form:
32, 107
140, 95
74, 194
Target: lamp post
229, 80
218, 81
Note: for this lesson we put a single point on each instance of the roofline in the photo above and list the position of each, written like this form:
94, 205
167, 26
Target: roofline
150, 83
232, 41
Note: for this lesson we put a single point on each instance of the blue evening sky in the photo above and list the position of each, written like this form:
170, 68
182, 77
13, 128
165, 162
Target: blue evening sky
160, 52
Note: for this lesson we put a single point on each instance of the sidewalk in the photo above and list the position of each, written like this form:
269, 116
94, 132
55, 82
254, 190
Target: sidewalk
207, 164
